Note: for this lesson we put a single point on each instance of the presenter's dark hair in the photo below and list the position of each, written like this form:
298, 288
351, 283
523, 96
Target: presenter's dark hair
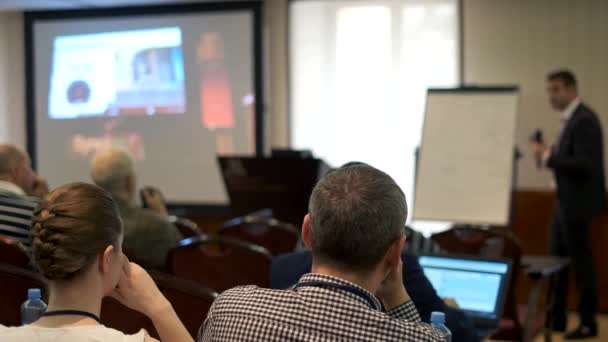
566, 76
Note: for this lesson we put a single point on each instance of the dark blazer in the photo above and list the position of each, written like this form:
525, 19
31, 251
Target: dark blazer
578, 165
287, 269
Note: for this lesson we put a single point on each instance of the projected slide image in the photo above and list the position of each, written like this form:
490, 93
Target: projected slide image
81, 146
215, 93
137, 72
218, 113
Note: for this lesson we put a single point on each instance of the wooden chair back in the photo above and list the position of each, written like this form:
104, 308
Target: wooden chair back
220, 263
276, 236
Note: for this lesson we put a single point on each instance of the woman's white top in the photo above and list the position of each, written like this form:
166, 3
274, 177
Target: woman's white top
85, 333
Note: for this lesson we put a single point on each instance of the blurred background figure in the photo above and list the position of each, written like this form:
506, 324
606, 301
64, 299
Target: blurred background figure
148, 234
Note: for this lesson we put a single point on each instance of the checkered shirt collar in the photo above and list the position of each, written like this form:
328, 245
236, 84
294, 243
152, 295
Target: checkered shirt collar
316, 277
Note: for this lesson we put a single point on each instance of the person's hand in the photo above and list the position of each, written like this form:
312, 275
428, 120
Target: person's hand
540, 151
155, 201
538, 148
137, 290
392, 292
40, 187
546, 155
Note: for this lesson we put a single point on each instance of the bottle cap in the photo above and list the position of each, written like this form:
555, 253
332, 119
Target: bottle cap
437, 317
34, 294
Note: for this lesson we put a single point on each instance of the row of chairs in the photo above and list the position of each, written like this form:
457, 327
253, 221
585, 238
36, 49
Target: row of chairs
190, 299
233, 258
258, 228
239, 254
230, 259
222, 262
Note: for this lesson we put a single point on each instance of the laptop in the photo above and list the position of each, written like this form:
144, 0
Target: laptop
478, 285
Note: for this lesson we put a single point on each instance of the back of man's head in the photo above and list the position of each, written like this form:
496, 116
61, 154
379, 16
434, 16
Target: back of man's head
111, 168
10, 157
356, 213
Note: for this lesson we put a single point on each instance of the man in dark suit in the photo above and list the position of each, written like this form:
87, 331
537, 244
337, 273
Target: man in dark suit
578, 166
287, 269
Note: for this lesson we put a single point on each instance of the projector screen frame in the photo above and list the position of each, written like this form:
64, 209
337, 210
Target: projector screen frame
254, 6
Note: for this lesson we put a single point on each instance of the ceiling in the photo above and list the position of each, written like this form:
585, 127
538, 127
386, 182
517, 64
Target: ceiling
22, 5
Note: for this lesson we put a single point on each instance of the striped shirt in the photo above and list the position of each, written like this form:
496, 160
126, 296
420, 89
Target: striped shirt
319, 308
16, 212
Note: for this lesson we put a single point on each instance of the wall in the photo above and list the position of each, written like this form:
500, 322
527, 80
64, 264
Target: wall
519, 41
514, 41
532, 218
12, 79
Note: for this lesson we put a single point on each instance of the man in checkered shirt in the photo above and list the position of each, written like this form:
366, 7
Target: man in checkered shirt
355, 291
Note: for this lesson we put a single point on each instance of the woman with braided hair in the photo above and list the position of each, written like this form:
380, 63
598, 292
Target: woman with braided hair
77, 242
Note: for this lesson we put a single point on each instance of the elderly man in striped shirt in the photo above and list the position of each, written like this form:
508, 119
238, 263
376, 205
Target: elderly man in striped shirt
355, 229
20, 191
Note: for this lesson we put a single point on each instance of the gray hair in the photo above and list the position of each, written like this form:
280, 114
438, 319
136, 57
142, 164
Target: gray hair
10, 155
110, 168
356, 212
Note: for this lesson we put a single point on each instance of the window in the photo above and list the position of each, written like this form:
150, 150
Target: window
359, 71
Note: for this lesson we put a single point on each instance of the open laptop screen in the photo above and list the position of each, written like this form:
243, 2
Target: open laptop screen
478, 286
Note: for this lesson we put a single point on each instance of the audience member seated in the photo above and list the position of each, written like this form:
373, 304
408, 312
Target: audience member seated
148, 233
287, 269
77, 246
355, 291
20, 190
419, 244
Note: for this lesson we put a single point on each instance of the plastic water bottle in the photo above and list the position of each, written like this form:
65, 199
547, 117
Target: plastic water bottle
33, 307
438, 322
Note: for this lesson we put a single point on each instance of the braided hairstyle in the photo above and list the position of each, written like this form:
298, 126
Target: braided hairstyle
71, 227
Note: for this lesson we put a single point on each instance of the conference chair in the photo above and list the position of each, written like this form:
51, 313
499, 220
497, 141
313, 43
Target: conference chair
120, 317
186, 227
220, 263
14, 283
494, 244
190, 300
276, 236
265, 213
12, 253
